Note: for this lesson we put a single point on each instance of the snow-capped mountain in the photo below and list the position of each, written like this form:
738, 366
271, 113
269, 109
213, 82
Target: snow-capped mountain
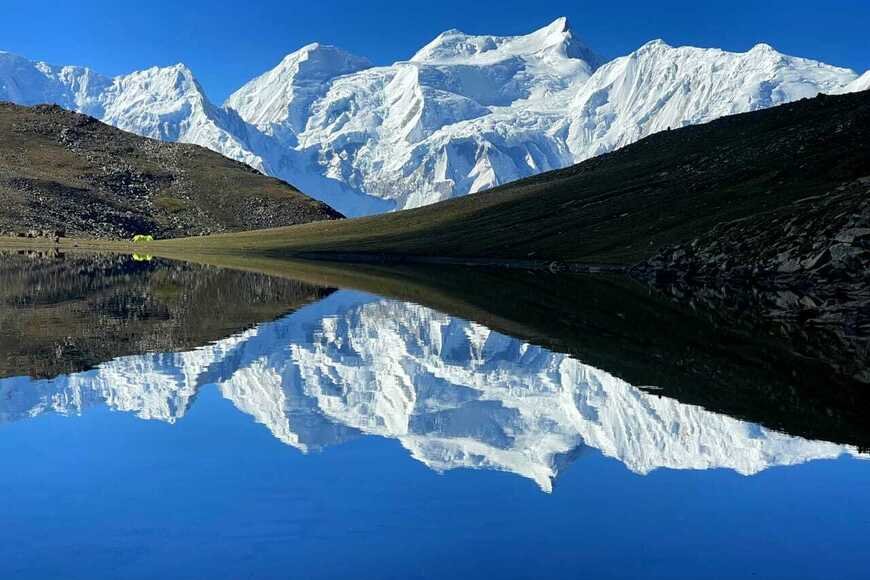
659, 87
464, 114
454, 393
162, 103
279, 101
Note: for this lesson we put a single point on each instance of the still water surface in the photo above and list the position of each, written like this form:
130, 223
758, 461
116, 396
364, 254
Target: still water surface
323, 433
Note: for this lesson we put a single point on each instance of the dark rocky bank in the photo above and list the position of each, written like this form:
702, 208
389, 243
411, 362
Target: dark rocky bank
804, 267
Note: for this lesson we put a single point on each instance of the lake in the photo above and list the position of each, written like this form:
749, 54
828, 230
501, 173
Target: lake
161, 419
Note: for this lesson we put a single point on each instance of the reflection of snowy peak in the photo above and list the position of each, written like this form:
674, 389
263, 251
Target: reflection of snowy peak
459, 395
153, 386
465, 113
454, 393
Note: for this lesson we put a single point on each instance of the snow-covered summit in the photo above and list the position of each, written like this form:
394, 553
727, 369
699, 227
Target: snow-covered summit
463, 114
555, 39
164, 103
660, 86
29, 83
279, 98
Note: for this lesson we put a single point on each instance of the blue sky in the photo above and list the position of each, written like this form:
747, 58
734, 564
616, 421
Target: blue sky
226, 43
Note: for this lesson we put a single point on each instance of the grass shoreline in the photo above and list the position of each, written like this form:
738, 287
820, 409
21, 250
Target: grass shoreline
177, 249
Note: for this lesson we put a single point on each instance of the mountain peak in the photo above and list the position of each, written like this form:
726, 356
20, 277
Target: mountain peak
182, 70
177, 80
656, 44
318, 47
455, 46
282, 95
555, 30
558, 36
555, 34
322, 61
174, 71
762, 47
310, 47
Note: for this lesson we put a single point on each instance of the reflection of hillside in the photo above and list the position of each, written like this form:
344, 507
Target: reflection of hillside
61, 314
454, 393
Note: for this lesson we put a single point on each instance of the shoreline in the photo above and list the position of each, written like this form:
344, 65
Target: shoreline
160, 249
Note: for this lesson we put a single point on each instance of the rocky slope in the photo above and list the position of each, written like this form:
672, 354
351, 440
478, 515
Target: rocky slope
805, 265
804, 262
824, 238
64, 171
464, 114
454, 393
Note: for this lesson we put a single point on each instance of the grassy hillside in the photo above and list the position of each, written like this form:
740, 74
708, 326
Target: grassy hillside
621, 207
65, 171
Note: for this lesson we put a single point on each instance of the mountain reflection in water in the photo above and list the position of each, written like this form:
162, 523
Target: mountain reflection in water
454, 393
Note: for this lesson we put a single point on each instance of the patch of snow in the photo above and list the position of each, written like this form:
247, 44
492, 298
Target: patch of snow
862, 83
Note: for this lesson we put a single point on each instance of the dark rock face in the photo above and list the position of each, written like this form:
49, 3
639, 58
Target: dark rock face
65, 171
824, 238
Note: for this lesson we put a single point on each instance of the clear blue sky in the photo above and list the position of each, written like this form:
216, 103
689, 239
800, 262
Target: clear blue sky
226, 43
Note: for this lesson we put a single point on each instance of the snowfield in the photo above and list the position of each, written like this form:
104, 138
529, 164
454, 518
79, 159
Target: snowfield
464, 114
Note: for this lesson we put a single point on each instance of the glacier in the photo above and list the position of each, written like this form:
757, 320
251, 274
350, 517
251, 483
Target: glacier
464, 114
453, 393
